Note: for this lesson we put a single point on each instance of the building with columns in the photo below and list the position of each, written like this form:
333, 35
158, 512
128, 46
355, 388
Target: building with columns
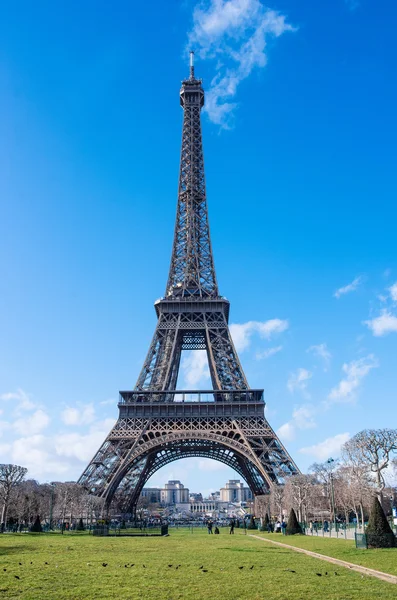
235, 491
174, 492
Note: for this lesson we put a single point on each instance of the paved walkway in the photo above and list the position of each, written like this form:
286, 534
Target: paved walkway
336, 561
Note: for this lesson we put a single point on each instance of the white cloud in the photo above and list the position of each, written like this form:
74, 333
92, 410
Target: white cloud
23, 401
36, 452
322, 351
83, 415
351, 287
286, 432
242, 332
393, 291
32, 424
328, 448
385, 323
269, 352
298, 381
81, 447
194, 367
206, 464
235, 34
302, 418
355, 372
109, 401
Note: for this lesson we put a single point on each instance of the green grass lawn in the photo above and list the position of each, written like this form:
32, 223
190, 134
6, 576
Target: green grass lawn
70, 567
381, 559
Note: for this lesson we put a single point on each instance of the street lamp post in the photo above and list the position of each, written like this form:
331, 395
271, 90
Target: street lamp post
51, 504
330, 461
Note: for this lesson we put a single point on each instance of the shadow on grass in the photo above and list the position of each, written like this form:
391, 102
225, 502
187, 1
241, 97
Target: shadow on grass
16, 549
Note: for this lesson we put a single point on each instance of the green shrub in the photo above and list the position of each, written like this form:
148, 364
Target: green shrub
293, 526
379, 533
36, 527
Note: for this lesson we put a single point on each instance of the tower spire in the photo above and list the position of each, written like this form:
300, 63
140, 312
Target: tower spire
192, 271
191, 64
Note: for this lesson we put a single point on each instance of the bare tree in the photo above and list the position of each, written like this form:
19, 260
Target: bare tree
371, 450
298, 492
10, 477
277, 499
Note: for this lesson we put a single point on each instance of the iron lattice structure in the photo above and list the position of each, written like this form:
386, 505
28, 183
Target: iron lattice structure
158, 424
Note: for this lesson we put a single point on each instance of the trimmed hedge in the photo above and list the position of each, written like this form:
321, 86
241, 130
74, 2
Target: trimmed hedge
379, 533
293, 526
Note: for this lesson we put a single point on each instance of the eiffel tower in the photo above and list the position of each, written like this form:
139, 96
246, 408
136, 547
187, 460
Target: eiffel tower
157, 423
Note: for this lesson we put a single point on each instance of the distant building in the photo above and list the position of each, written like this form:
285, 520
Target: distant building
194, 497
152, 494
214, 496
235, 491
174, 492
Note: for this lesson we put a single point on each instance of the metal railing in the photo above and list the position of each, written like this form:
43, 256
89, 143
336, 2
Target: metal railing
187, 396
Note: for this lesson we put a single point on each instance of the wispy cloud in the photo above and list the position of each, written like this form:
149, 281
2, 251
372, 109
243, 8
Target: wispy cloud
302, 418
322, 351
298, 381
328, 448
81, 415
350, 287
195, 369
108, 401
393, 291
242, 332
234, 33
269, 352
383, 324
386, 321
355, 371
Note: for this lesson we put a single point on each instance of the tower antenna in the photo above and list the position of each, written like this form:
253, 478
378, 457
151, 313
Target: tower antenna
191, 64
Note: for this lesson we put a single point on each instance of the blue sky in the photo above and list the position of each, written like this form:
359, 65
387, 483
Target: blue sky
300, 150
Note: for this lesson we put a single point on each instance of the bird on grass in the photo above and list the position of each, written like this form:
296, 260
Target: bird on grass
4, 569
251, 567
319, 574
204, 571
16, 577
290, 570
104, 564
170, 566
199, 567
144, 566
20, 564
241, 567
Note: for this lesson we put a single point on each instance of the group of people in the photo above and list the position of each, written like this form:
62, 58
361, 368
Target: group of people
210, 526
280, 526
216, 531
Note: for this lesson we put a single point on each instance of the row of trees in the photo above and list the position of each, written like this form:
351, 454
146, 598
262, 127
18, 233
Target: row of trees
23, 500
345, 487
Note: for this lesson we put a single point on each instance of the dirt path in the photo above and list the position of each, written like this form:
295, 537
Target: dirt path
335, 561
